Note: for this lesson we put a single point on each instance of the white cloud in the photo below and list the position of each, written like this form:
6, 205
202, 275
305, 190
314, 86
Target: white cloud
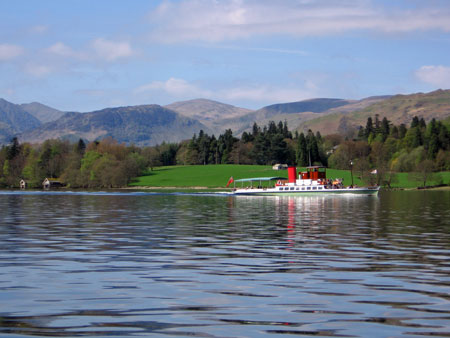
38, 70
269, 93
258, 93
9, 52
111, 50
210, 20
61, 49
438, 76
39, 29
176, 87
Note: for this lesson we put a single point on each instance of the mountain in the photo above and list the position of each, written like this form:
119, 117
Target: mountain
153, 124
140, 125
296, 113
42, 112
210, 113
14, 120
313, 106
397, 109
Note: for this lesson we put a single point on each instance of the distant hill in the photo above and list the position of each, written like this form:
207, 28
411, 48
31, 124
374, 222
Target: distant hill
14, 120
210, 113
42, 112
313, 106
296, 113
139, 125
153, 124
397, 109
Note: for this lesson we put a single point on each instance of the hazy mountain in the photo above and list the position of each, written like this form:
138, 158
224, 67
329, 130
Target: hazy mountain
210, 113
153, 124
42, 112
295, 113
313, 106
139, 125
14, 120
397, 109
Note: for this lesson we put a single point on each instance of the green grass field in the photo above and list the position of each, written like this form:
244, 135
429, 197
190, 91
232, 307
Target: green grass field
217, 176
406, 180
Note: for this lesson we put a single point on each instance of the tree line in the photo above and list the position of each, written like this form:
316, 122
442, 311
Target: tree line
421, 148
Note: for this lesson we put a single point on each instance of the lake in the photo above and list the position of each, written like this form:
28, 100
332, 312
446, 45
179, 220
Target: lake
122, 264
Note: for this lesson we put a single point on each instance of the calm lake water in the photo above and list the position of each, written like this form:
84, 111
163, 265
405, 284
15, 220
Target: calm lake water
171, 265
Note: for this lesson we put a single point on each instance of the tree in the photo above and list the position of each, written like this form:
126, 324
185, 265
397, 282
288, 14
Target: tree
255, 130
369, 127
414, 122
13, 149
302, 151
312, 148
81, 147
384, 128
153, 156
402, 131
424, 171
278, 149
414, 137
13, 164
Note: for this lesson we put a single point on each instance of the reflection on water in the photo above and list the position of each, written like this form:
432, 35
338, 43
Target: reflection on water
133, 264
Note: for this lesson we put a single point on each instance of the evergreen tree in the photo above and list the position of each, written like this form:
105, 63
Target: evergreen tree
395, 132
272, 129
302, 151
402, 131
81, 147
280, 128
422, 123
246, 137
13, 149
312, 148
414, 122
286, 132
255, 130
369, 128
384, 128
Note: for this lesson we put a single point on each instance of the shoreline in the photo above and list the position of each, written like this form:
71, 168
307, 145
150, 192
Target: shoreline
142, 187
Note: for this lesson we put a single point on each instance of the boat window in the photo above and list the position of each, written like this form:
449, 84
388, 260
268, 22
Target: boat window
309, 188
303, 188
320, 188
292, 188
314, 188
297, 188
280, 188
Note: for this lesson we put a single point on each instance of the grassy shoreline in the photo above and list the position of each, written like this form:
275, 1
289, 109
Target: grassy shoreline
215, 177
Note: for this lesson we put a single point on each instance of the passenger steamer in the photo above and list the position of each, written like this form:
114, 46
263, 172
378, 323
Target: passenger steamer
311, 181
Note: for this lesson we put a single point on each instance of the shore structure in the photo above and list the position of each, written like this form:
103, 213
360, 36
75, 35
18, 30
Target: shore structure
311, 181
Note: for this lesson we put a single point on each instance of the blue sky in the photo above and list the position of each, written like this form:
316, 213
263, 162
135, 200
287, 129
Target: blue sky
85, 55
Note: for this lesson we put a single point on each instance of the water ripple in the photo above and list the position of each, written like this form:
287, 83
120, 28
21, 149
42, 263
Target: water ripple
149, 264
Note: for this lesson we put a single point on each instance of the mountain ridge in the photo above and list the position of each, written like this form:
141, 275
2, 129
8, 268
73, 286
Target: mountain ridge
397, 109
42, 112
140, 125
14, 120
151, 124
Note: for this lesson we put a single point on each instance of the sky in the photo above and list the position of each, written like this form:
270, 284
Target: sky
84, 55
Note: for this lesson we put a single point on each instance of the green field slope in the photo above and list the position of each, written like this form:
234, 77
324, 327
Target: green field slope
216, 176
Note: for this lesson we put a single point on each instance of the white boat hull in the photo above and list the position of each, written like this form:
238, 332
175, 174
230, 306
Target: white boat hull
298, 191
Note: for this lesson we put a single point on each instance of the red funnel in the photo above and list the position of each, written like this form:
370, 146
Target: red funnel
292, 174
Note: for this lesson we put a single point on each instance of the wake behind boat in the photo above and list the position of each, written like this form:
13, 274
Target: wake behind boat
311, 181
